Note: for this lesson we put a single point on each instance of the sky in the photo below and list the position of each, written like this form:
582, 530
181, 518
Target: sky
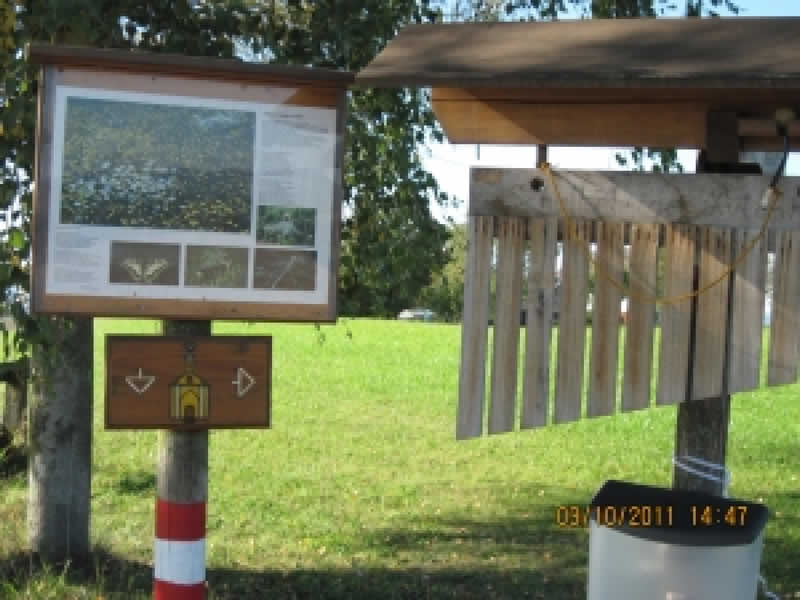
450, 163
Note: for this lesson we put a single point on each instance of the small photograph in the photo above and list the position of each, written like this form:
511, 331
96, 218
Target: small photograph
144, 264
286, 225
216, 266
157, 166
285, 269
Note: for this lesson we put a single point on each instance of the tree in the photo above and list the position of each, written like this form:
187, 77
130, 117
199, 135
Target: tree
445, 294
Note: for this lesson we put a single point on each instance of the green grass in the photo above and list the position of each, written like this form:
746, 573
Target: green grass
361, 491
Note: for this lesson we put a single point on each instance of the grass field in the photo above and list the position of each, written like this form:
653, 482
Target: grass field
361, 491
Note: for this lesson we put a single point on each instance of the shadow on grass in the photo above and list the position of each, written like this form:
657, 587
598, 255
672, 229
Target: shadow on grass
114, 578
136, 483
449, 557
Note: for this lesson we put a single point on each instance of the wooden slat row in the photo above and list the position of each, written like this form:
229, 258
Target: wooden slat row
474, 329
673, 367
783, 337
541, 287
684, 245
572, 324
641, 318
744, 362
605, 320
712, 314
511, 233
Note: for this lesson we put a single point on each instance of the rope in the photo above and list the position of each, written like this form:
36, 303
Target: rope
644, 297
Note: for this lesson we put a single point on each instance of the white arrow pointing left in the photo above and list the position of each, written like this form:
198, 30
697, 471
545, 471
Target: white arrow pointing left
140, 383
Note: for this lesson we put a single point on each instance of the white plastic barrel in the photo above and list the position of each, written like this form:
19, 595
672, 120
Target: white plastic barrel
649, 543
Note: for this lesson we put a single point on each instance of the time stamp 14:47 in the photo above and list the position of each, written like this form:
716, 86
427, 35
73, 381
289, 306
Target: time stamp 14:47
647, 515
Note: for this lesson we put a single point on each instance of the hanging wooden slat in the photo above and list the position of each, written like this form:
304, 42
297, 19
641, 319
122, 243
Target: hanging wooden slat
712, 314
783, 344
673, 366
609, 263
572, 324
541, 289
641, 318
511, 233
474, 327
748, 314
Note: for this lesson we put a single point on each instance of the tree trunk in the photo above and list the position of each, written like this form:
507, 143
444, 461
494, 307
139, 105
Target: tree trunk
182, 489
15, 406
60, 445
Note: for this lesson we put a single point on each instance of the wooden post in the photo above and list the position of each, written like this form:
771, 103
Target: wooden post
182, 489
60, 445
702, 425
15, 405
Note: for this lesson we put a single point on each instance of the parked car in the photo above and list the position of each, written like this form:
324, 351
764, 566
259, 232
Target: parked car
417, 314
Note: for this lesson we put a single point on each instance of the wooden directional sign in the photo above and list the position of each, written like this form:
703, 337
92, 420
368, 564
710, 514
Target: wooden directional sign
188, 383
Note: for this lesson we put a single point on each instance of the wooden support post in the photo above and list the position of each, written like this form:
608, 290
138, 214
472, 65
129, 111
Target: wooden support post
16, 404
182, 488
60, 445
702, 425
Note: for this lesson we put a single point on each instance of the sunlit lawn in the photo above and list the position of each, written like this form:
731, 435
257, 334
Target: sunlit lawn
361, 491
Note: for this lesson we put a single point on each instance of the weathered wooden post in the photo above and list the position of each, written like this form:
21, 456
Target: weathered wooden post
60, 434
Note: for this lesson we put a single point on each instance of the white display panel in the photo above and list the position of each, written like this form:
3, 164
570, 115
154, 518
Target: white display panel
163, 196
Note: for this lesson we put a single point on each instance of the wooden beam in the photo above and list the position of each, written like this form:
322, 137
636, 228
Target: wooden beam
703, 199
500, 122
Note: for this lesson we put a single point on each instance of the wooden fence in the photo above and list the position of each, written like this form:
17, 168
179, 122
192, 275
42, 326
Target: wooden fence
691, 225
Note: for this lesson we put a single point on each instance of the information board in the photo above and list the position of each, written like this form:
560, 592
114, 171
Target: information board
161, 195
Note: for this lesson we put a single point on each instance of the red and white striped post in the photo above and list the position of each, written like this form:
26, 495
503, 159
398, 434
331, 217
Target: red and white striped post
180, 544
182, 489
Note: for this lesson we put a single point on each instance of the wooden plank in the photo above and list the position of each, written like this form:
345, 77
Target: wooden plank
712, 314
506, 324
541, 289
641, 318
701, 199
680, 124
179, 64
673, 366
783, 345
141, 372
609, 264
572, 325
474, 328
748, 314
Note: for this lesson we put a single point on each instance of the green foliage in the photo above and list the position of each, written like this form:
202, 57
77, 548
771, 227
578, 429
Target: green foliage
445, 294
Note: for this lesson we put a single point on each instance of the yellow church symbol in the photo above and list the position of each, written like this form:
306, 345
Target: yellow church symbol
188, 394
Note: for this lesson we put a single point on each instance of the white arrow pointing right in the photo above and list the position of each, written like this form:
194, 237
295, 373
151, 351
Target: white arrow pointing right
243, 382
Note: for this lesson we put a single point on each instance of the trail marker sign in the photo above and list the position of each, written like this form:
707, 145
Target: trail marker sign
187, 383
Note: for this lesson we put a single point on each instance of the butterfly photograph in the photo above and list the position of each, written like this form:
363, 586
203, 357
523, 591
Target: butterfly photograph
144, 264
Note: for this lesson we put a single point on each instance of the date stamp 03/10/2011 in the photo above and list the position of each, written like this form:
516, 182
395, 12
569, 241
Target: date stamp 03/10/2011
651, 515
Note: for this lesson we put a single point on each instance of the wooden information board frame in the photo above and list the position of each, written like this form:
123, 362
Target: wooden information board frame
274, 259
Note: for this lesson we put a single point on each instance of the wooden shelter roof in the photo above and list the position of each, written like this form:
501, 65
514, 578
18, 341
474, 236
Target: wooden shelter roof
489, 78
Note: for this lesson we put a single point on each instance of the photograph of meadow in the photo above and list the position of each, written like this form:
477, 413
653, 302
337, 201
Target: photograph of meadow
214, 266
144, 264
285, 269
157, 166
285, 225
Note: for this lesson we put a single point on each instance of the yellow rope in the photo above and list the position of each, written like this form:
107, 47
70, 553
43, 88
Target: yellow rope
649, 298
